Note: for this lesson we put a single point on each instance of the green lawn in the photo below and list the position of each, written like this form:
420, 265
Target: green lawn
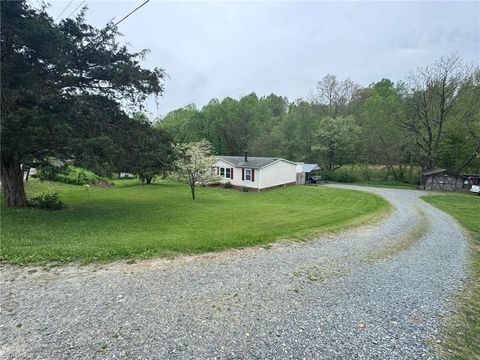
380, 173
387, 184
133, 221
382, 184
463, 341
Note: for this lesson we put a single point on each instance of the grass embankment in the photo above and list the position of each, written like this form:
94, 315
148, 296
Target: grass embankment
130, 221
463, 340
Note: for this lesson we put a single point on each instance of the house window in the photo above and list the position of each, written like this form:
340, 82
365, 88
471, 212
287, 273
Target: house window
222, 171
248, 174
227, 173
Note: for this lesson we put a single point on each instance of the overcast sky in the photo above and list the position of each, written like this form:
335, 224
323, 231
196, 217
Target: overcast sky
219, 49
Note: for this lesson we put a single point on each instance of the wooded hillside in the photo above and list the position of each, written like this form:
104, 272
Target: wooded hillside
432, 118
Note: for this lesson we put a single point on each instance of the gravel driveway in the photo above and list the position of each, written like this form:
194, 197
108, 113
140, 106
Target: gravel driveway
341, 296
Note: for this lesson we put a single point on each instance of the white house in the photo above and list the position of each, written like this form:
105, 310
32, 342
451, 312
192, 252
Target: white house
256, 172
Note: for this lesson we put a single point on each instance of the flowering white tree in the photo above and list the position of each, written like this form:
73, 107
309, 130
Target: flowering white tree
195, 164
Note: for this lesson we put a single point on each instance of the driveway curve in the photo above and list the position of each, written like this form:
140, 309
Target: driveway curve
381, 291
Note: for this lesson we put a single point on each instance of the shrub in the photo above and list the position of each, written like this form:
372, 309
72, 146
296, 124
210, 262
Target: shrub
49, 173
339, 176
227, 185
49, 201
73, 175
245, 189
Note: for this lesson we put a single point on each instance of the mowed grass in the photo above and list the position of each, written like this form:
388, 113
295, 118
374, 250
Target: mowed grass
463, 341
380, 184
387, 184
133, 221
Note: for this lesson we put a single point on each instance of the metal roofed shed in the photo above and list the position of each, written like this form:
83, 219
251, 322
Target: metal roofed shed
441, 180
304, 173
308, 168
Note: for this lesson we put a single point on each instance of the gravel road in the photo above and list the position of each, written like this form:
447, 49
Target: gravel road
350, 295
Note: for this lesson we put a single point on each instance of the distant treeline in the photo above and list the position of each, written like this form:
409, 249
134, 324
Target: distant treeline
432, 119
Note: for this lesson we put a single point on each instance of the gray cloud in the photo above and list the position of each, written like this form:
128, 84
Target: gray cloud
219, 49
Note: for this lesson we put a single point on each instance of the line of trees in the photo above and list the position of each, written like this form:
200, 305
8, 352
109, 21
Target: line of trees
66, 86
430, 119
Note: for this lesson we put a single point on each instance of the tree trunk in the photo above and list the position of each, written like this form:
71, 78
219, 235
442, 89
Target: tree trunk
430, 161
12, 183
191, 182
148, 179
28, 174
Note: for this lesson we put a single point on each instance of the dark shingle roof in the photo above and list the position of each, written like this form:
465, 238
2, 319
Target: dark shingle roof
253, 162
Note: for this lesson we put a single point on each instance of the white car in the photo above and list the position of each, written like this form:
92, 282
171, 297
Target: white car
475, 189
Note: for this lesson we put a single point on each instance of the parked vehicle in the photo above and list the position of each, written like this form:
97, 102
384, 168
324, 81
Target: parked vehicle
475, 189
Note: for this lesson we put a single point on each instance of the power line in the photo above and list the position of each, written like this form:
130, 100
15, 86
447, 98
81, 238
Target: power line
130, 13
104, 31
83, 2
65, 8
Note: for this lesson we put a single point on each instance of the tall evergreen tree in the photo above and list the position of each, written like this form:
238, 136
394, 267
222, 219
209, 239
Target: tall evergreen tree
61, 89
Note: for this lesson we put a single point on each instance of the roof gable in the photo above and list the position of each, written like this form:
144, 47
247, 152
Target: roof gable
310, 167
253, 162
438, 171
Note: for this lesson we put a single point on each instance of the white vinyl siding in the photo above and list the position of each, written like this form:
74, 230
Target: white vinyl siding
237, 176
276, 174
279, 173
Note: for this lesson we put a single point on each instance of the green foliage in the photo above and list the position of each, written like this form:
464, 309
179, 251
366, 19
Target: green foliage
63, 89
339, 176
384, 174
439, 96
48, 201
50, 172
245, 189
344, 124
180, 124
73, 175
385, 142
232, 126
79, 176
459, 149
336, 140
147, 151
299, 129
227, 185
130, 221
